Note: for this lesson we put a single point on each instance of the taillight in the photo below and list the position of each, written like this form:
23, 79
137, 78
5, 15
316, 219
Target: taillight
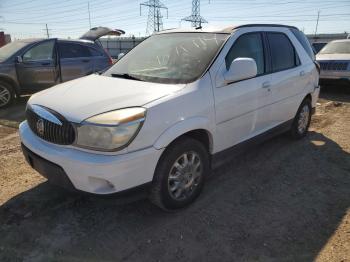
110, 60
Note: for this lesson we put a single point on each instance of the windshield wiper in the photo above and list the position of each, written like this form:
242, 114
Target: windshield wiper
126, 76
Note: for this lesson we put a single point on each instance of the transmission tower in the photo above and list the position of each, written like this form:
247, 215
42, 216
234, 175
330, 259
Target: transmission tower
196, 18
154, 22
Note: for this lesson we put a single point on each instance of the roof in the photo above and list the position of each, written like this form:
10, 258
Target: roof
77, 40
29, 40
220, 30
34, 40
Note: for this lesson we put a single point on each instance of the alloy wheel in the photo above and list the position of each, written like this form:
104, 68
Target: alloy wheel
185, 175
5, 96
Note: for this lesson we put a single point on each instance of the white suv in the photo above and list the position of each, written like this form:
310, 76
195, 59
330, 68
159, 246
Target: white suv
172, 108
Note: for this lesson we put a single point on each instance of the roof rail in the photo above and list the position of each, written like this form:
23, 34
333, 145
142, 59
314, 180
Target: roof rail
269, 25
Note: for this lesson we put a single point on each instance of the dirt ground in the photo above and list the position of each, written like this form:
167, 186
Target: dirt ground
283, 201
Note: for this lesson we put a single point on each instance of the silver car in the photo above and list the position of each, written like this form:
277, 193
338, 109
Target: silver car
31, 65
334, 60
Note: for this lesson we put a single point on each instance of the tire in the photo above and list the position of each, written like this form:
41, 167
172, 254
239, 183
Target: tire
302, 120
7, 94
176, 185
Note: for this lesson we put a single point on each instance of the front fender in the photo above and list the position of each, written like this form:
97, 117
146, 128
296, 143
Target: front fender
180, 128
11, 82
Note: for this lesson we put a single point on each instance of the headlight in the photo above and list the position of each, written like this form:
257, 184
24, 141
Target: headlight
112, 130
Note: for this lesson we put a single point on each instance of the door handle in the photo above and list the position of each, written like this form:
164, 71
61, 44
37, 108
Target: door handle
266, 84
302, 73
45, 63
85, 60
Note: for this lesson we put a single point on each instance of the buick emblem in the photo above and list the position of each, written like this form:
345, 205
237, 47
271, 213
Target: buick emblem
40, 127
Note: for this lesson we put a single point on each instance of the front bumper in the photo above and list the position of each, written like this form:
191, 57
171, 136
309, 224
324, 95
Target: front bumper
54, 173
86, 171
334, 77
335, 82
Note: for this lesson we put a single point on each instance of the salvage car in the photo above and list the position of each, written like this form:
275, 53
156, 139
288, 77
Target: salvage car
163, 118
334, 60
318, 46
31, 65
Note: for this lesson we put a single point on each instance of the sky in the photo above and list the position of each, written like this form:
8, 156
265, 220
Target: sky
70, 18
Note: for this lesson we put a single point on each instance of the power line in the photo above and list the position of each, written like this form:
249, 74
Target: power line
47, 31
89, 14
154, 22
195, 18
318, 18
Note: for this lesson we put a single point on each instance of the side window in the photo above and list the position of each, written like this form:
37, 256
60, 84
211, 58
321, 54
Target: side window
304, 42
71, 50
95, 52
43, 51
283, 55
248, 45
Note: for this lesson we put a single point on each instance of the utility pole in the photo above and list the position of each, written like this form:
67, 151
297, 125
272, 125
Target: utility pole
89, 15
195, 18
47, 31
154, 22
318, 18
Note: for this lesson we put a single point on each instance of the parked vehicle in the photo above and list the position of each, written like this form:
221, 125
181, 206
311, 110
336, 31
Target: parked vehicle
318, 46
164, 117
334, 60
31, 65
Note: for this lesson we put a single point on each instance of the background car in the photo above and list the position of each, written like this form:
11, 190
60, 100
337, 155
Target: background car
317, 46
334, 60
31, 65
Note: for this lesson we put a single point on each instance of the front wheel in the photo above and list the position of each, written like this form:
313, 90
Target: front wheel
6, 94
302, 120
180, 174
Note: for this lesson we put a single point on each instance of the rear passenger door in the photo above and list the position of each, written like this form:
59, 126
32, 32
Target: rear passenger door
288, 78
75, 60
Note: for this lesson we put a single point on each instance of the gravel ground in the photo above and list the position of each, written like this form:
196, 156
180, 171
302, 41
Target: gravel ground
283, 201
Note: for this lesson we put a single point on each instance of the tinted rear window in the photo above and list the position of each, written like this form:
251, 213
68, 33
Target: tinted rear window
283, 55
95, 52
304, 42
70, 50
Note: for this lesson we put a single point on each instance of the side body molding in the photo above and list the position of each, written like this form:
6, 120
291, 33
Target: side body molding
182, 127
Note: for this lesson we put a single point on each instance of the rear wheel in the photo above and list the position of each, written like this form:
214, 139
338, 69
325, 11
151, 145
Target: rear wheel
302, 120
6, 94
180, 174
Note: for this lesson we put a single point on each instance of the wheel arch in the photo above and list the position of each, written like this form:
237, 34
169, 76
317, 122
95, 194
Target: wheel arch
10, 82
308, 96
196, 128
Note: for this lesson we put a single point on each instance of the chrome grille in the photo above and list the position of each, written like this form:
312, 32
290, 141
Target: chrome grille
52, 132
334, 66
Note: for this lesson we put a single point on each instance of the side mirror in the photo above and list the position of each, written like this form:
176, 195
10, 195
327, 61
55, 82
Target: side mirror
120, 56
241, 68
19, 59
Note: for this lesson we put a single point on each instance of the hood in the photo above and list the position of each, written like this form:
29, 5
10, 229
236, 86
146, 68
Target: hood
337, 57
82, 98
95, 33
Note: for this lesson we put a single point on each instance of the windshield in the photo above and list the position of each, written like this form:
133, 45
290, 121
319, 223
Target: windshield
336, 48
8, 50
170, 58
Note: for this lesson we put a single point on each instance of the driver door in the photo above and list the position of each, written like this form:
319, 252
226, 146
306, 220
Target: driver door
38, 68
